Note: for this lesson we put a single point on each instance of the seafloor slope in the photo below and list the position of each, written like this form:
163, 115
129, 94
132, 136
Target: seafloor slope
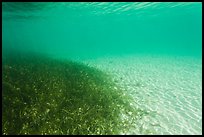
48, 96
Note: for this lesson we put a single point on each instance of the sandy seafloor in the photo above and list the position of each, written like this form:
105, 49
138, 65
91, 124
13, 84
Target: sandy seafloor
170, 87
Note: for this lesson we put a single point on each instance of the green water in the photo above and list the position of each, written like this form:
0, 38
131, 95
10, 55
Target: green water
77, 29
56, 71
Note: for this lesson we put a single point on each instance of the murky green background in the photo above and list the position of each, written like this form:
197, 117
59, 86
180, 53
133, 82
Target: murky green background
78, 29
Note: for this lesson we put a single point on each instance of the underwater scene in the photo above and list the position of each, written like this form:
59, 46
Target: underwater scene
102, 68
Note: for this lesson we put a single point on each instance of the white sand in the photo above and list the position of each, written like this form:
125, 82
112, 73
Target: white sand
169, 87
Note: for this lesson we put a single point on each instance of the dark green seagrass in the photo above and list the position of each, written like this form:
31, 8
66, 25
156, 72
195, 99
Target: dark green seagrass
42, 95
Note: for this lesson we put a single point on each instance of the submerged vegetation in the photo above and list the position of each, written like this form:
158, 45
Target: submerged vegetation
48, 96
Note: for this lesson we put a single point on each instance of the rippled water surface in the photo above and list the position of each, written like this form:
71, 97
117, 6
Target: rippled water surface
151, 51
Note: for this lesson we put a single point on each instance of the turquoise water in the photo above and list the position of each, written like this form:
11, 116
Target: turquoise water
78, 29
152, 50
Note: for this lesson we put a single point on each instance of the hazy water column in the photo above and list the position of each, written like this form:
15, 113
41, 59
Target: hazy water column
83, 29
